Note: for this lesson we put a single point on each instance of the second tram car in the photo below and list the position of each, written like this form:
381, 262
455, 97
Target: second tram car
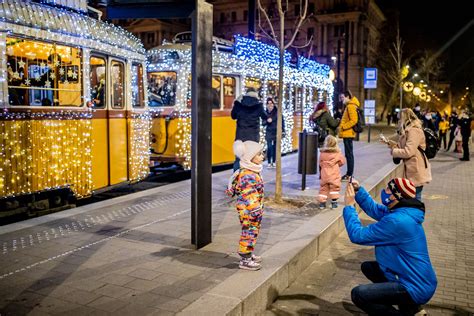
236, 66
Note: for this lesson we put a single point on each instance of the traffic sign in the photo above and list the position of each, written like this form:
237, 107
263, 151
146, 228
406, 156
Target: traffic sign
369, 112
370, 78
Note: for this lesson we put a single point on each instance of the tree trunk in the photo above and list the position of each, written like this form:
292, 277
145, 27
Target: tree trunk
278, 184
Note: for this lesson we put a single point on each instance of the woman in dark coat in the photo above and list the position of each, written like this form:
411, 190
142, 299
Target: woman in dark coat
271, 130
247, 111
322, 117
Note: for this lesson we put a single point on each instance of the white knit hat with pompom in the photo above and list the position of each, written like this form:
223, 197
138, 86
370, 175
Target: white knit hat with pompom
247, 150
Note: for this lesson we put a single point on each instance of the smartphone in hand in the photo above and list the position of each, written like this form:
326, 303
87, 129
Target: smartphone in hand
383, 139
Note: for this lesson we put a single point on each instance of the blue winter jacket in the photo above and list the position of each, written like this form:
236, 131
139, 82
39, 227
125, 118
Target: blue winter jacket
400, 244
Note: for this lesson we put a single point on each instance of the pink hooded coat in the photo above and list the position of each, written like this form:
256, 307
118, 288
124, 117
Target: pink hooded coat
330, 163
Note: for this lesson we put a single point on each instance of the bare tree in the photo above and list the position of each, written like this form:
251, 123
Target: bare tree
394, 71
429, 67
276, 33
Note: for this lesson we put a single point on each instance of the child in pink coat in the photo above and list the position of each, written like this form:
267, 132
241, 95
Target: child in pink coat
330, 162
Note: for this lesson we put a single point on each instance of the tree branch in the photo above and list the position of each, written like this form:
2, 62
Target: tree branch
301, 19
309, 42
267, 18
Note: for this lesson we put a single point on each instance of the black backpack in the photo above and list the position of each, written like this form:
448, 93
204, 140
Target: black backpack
358, 127
321, 133
431, 143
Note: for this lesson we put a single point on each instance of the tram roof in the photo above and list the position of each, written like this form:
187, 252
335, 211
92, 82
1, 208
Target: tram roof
61, 24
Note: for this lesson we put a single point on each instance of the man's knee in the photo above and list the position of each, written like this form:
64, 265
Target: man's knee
356, 296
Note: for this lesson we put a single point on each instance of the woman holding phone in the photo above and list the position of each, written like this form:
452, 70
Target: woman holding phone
410, 149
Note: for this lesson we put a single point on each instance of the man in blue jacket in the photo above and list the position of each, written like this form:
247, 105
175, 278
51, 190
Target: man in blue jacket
402, 273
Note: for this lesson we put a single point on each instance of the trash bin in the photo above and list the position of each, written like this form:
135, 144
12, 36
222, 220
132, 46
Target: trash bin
308, 153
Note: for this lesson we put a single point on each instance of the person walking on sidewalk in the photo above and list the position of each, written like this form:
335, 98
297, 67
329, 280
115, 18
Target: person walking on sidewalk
330, 161
346, 131
248, 111
453, 123
410, 149
247, 184
271, 131
465, 124
443, 130
402, 273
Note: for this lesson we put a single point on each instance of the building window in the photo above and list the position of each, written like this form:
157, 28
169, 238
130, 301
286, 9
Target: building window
311, 8
150, 38
222, 19
234, 16
310, 33
339, 30
246, 15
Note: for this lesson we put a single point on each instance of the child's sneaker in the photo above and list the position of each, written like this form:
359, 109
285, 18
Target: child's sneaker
256, 259
334, 204
249, 264
322, 206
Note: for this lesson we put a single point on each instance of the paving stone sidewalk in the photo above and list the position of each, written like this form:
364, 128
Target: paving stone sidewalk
132, 255
324, 288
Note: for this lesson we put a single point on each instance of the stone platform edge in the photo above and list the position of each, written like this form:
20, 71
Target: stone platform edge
250, 293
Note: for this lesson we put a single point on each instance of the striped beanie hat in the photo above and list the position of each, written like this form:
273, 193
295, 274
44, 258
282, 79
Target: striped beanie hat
402, 188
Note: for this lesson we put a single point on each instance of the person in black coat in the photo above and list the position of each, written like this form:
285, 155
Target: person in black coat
248, 111
453, 122
465, 123
271, 131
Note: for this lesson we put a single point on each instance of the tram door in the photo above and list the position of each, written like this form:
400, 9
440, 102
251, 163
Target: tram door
117, 123
99, 99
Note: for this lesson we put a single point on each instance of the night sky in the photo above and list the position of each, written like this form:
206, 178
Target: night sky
429, 25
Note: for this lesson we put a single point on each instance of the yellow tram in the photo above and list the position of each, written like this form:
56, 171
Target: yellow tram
73, 108
236, 66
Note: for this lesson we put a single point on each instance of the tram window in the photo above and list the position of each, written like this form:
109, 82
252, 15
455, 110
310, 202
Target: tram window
97, 80
298, 99
314, 97
254, 83
230, 87
117, 77
216, 92
138, 97
273, 90
43, 74
162, 88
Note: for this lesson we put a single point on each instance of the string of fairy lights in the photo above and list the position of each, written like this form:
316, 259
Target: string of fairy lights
251, 60
44, 150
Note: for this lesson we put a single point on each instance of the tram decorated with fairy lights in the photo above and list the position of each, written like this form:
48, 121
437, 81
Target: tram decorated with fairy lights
81, 110
73, 105
236, 66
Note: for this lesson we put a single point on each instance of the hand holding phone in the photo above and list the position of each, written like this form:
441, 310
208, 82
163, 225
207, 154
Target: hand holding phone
383, 139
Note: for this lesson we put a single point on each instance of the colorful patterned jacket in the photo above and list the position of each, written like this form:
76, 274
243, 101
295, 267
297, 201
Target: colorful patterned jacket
248, 187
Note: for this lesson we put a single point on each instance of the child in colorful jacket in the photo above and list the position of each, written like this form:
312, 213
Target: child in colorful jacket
330, 162
247, 185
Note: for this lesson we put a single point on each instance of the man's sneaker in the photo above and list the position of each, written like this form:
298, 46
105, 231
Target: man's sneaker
256, 259
421, 313
345, 178
334, 204
322, 206
249, 264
